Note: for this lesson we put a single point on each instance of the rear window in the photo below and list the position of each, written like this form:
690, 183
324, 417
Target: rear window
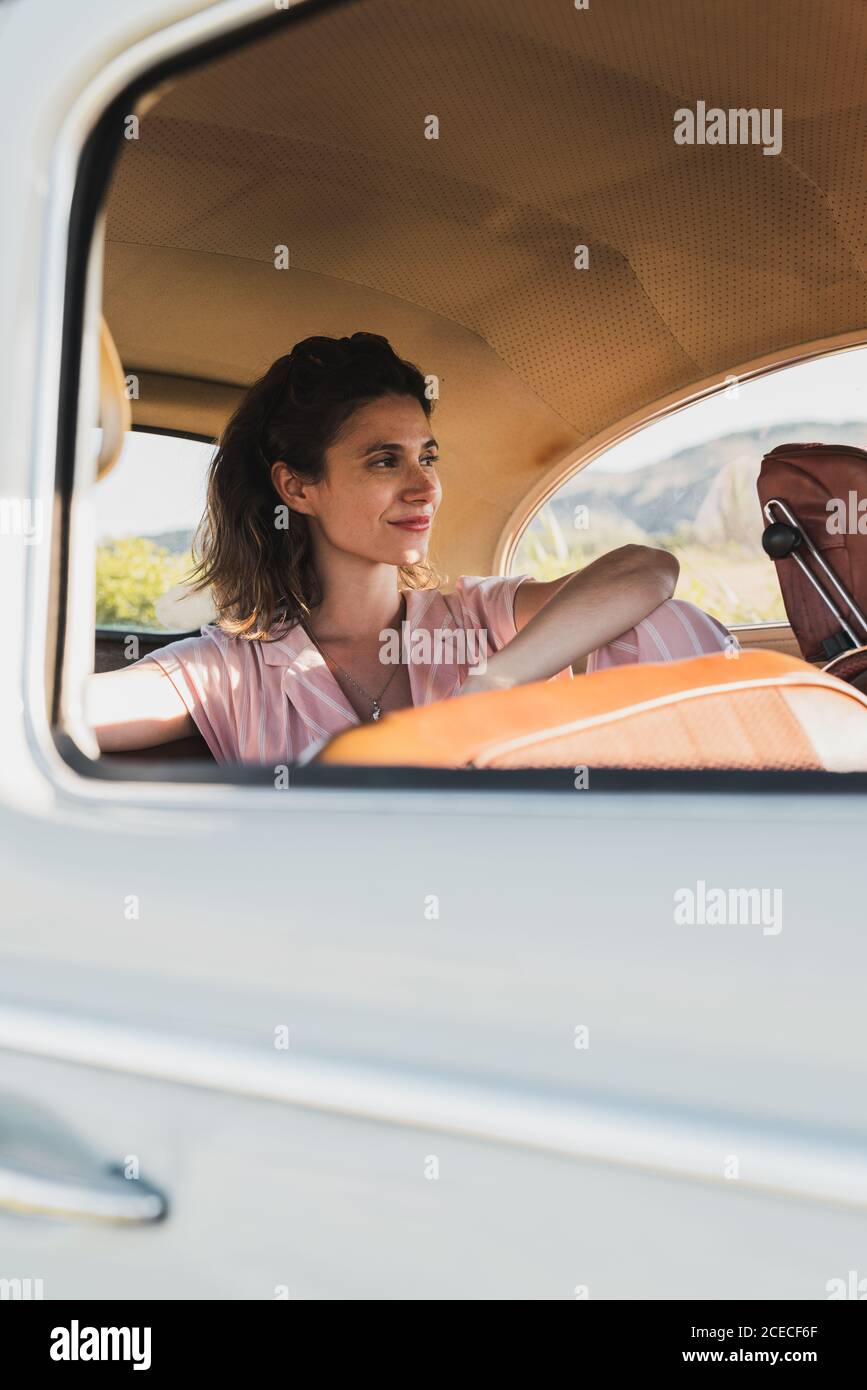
688, 483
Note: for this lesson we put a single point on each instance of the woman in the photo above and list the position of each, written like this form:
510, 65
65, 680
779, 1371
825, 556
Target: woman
321, 501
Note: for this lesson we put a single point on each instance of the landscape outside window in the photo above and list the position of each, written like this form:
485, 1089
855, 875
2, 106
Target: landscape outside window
147, 510
688, 483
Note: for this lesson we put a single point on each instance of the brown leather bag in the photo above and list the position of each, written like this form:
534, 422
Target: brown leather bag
809, 495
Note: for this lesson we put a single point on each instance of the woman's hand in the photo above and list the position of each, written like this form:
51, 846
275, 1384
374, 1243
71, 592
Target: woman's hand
478, 681
561, 622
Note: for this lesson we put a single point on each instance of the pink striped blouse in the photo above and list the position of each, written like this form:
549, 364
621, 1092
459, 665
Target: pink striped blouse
269, 702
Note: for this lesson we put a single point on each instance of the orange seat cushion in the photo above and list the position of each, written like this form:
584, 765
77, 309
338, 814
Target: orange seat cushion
757, 710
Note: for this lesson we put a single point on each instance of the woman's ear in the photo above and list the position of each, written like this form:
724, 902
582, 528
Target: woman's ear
292, 489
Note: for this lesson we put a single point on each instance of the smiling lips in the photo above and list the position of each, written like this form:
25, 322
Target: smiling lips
413, 523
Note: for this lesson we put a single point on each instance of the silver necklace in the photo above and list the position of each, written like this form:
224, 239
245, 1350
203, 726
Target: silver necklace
375, 700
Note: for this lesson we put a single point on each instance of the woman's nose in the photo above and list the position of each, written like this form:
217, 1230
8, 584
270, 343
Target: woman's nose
422, 485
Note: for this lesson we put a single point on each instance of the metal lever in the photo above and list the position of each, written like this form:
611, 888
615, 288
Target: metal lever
781, 545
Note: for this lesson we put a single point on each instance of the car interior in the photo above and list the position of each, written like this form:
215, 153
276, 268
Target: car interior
312, 180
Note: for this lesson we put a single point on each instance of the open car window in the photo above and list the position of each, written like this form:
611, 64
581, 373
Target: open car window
146, 511
229, 229
688, 483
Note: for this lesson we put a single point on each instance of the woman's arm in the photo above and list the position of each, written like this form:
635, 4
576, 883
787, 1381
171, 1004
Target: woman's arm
135, 708
561, 622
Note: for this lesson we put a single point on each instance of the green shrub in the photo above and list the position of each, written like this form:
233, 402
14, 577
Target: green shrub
132, 573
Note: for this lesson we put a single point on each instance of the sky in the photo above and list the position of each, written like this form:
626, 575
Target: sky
831, 389
159, 482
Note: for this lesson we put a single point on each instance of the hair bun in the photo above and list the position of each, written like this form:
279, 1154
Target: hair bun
336, 352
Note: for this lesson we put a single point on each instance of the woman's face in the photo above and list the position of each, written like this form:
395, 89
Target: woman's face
380, 492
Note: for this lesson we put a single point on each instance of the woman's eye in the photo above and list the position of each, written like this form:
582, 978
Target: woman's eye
389, 461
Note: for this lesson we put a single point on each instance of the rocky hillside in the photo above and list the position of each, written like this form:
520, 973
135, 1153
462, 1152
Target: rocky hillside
706, 494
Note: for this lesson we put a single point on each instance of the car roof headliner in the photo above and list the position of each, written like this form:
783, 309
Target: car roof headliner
556, 129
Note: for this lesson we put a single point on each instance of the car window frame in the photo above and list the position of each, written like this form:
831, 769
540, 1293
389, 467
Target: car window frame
89, 157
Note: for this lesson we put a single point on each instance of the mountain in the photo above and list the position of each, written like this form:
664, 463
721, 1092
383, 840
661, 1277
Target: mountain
706, 493
177, 542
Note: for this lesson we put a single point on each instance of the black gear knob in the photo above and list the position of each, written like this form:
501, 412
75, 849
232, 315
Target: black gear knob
780, 539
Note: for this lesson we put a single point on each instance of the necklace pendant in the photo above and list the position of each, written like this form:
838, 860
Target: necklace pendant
376, 710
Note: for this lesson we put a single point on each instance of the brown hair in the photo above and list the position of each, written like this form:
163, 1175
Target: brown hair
260, 574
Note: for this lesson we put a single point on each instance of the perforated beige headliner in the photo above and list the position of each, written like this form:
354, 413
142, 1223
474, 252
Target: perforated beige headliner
556, 128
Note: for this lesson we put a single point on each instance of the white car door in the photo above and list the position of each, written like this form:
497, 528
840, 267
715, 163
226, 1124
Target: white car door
475, 1057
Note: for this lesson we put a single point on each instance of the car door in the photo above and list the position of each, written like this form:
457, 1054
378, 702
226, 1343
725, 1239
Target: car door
480, 1058
458, 1036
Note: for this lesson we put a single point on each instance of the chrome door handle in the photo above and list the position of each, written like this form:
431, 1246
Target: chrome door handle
47, 1170
114, 1199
